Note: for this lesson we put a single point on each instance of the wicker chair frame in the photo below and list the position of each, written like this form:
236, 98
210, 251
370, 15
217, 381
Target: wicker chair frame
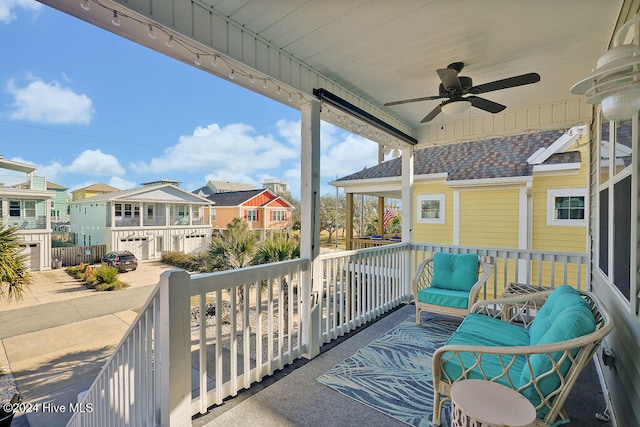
519, 309
422, 280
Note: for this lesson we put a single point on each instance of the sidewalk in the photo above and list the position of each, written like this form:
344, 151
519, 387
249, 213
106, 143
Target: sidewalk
58, 337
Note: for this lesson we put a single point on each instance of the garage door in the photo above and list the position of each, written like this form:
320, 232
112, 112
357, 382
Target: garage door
137, 246
194, 244
32, 256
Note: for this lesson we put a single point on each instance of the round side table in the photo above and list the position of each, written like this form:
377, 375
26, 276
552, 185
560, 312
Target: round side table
484, 403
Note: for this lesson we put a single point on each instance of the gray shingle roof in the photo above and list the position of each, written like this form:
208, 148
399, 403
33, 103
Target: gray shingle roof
492, 158
233, 198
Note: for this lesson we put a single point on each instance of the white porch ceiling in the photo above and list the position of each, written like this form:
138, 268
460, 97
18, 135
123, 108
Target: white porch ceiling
371, 52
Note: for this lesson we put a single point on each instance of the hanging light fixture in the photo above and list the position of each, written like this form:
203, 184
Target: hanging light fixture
116, 19
85, 5
456, 107
152, 33
615, 82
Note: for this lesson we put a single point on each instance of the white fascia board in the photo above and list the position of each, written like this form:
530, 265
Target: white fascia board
490, 182
430, 177
561, 144
26, 193
393, 183
559, 167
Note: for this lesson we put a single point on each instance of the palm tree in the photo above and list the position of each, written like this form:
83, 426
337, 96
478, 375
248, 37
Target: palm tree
14, 276
279, 248
235, 248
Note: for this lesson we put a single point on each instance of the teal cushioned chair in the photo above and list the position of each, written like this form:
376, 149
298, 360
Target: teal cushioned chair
448, 283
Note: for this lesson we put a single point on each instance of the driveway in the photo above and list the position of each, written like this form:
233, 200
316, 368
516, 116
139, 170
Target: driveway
56, 285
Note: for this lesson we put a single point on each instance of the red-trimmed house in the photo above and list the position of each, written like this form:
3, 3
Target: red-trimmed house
262, 209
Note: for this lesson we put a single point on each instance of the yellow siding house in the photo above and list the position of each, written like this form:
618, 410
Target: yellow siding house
524, 191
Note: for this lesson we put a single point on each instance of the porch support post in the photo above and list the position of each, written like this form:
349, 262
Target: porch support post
407, 194
380, 199
310, 224
174, 349
381, 216
349, 230
407, 216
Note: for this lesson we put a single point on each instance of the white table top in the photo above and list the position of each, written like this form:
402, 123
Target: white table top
492, 403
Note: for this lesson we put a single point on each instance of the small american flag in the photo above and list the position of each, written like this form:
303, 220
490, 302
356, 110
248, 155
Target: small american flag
387, 216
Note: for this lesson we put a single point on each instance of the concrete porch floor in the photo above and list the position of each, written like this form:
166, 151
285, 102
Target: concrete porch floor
293, 397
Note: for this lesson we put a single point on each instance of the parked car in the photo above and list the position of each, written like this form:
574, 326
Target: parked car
122, 260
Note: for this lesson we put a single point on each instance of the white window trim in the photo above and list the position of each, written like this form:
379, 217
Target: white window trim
426, 197
252, 215
566, 192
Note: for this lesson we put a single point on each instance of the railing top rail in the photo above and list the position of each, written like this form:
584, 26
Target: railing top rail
496, 251
381, 248
209, 282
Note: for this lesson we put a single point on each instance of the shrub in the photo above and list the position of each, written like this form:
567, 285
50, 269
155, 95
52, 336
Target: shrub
106, 274
185, 261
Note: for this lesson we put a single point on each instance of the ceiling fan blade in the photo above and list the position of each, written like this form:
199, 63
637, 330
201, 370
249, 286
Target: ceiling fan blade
524, 79
406, 101
449, 78
485, 104
432, 114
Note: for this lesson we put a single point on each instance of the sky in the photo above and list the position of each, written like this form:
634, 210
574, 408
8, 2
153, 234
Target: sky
86, 106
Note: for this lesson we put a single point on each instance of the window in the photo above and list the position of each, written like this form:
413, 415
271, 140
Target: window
213, 215
14, 208
252, 215
615, 198
29, 208
431, 209
118, 209
277, 215
567, 206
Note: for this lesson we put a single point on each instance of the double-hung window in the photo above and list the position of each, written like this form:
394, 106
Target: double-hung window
252, 215
614, 200
277, 215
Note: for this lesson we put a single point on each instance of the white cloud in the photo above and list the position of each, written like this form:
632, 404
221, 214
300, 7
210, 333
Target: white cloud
53, 103
8, 7
121, 183
95, 162
221, 150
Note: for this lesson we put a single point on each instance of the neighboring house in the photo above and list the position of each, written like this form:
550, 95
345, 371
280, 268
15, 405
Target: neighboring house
524, 191
60, 202
278, 186
27, 207
261, 209
213, 187
92, 190
60, 206
146, 221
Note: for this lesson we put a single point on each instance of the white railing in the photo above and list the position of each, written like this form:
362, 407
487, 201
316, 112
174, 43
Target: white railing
355, 287
255, 327
534, 267
224, 330
126, 391
202, 338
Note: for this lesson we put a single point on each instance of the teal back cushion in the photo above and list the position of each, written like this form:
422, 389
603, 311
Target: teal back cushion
567, 317
559, 299
458, 272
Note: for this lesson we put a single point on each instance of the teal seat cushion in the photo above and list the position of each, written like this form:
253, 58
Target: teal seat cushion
571, 318
478, 329
458, 272
444, 297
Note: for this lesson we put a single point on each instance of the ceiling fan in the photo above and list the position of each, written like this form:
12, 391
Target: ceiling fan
454, 87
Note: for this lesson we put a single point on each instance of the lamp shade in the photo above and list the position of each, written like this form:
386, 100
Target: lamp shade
615, 82
456, 107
